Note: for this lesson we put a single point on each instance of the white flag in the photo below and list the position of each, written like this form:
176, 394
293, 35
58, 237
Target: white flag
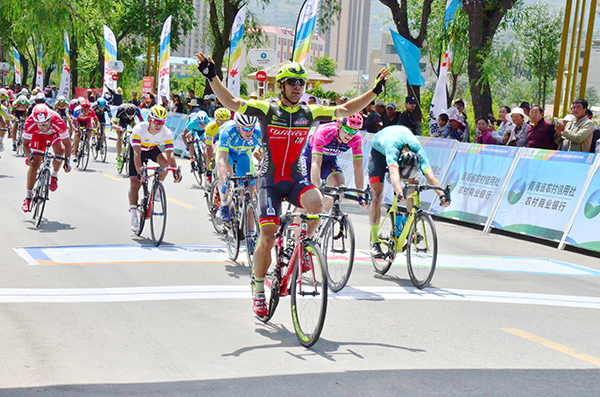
65, 80
39, 70
164, 61
110, 55
440, 99
235, 51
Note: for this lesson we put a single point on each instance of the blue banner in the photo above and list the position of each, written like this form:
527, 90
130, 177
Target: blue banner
410, 55
438, 152
584, 232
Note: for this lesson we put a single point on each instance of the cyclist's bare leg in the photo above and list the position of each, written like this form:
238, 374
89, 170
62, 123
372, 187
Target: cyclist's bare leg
375, 208
251, 213
163, 162
59, 150
312, 201
410, 201
262, 253
119, 141
134, 187
222, 180
334, 179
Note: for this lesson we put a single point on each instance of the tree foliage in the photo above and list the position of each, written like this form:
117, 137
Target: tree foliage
325, 66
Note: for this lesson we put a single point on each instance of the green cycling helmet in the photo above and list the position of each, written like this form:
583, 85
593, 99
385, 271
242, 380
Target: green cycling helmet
292, 69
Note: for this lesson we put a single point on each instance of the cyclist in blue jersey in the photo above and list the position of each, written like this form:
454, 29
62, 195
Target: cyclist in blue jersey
237, 142
196, 124
396, 150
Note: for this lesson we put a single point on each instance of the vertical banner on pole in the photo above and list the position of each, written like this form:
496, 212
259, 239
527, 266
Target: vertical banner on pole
235, 51
440, 99
304, 31
39, 70
17, 66
110, 55
164, 61
65, 80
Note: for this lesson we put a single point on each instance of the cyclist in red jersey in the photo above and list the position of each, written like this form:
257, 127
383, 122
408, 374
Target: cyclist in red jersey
284, 129
43, 126
84, 115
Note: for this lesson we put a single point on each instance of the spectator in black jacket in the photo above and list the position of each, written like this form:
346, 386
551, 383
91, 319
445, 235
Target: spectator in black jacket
407, 117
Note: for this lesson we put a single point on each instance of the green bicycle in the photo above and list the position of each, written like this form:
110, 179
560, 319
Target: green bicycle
417, 237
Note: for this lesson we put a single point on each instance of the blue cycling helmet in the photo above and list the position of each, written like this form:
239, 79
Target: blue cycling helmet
101, 102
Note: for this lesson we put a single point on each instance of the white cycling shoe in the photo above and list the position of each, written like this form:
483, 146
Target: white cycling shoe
135, 222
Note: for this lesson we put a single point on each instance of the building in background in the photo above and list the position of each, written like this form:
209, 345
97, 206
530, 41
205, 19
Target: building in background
193, 43
282, 41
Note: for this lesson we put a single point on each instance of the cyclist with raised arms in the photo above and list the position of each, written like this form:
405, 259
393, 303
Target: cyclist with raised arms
145, 140
84, 116
319, 156
222, 116
396, 150
43, 126
123, 117
196, 124
284, 127
237, 142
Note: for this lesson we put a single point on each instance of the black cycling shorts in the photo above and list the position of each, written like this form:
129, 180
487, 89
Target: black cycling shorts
271, 194
151, 154
377, 167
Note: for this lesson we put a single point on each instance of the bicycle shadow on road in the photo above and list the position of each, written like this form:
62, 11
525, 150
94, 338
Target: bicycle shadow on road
325, 348
7, 176
238, 270
401, 282
50, 226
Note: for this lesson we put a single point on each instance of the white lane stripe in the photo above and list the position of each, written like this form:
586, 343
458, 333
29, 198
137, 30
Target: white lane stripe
137, 294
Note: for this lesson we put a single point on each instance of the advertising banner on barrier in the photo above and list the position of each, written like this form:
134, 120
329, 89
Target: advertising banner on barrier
476, 176
438, 152
543, 192
584, 232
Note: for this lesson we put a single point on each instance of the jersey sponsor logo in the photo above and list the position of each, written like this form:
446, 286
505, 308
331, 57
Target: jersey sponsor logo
301, 121
270, 210
292, 132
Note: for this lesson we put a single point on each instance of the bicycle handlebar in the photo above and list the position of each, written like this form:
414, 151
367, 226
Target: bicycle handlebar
422, 188
160, 169
344, 190
242, 178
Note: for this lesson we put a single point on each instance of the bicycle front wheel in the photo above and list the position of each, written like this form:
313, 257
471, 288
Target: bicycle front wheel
232, 232
143, 208
85, 154
309, 294
41, 196
20, 143
103, 148
251, 230
214, 203
94, 145
338, 250
421, 255
158, 213
387, 242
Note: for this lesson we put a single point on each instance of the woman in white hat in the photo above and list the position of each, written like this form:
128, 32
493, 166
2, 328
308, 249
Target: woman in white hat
518, 133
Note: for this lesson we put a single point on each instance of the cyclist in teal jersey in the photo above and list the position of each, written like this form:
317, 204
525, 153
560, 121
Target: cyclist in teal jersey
196, 124
284, 128
396, 150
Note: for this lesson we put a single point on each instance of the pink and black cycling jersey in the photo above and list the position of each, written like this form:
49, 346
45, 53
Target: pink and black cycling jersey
284, 132
324, 141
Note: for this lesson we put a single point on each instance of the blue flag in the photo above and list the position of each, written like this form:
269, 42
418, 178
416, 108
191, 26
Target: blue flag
410, 55
451, 7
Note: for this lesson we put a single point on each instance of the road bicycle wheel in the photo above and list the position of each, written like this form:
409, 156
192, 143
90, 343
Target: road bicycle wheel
158, 213
272, 289
103, 148
143, 208
85, 154
20, 142
421, 254
198, 170
387, 242
124, 158
309, 294
251, 230
338, 250
94, 146
41, 196
232, 231
214, 204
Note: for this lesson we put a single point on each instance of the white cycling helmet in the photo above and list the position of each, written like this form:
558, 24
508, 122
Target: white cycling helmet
244, 120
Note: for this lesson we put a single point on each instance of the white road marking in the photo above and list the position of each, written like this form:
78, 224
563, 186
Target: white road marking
192, 292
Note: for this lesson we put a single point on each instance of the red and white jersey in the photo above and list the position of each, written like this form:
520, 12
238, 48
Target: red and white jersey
78, 114
58, 127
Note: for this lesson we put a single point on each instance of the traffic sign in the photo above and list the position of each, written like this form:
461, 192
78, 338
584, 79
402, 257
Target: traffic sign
261, 75
4, 66
262, 58
4, 72
115, 77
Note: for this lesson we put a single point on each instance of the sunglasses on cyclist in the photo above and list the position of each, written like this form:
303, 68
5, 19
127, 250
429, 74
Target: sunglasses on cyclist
247, 129
159, 122
350, 131
293, 81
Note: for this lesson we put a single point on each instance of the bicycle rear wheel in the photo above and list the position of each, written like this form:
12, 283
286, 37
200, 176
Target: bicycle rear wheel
85, 154
251, 230
158, 213
214, 204
309, 294
421, 255
41, 196
338, 250
387, 242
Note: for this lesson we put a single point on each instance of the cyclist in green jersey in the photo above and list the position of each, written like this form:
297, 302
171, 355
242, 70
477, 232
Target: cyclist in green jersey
284, 129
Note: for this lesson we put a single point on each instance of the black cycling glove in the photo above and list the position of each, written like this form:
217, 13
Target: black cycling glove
379, 84
207, 68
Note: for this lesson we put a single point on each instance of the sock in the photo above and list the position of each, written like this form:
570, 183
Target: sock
29, 194
132, 207
259, 285
374, 237
54, 173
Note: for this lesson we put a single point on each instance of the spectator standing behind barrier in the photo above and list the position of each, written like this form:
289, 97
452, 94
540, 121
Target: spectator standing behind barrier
518, 133
193, 106
443, 126
484, 134
191, 95
576, 136
595, 146
372, 120
134, 99
504, 124
407, 117
380, 109
391, 116
526, 108
459, 104
540, 133
177, 104
457, 125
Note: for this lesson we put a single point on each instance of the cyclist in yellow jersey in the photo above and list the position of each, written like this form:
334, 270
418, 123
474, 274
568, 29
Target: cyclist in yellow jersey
222, 116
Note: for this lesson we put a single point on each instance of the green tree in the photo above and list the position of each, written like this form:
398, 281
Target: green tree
325, 66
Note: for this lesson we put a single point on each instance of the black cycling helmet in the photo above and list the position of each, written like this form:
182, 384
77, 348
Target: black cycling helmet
40, 98
130, 110
409, 165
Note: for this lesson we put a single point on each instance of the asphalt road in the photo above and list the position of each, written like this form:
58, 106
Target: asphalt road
87, 308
